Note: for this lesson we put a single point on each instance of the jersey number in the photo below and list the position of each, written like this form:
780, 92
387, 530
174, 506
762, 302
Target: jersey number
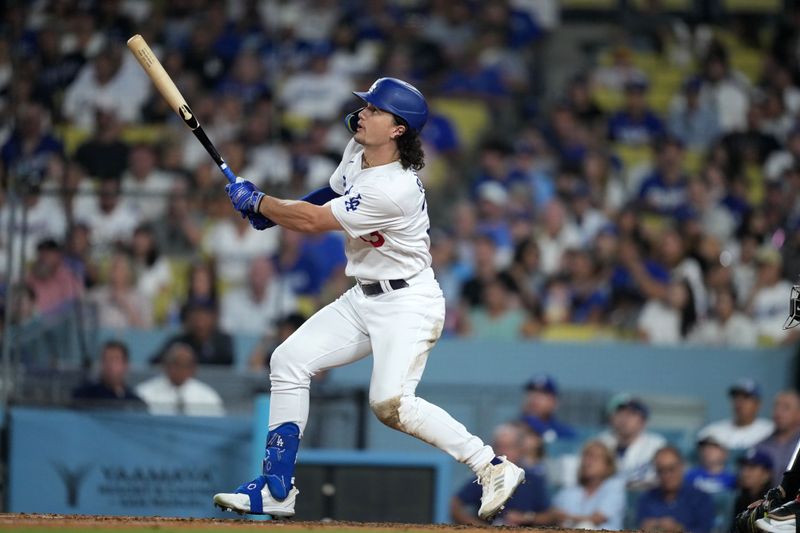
375, 239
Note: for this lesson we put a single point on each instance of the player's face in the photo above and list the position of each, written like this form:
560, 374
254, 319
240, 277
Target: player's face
376, 127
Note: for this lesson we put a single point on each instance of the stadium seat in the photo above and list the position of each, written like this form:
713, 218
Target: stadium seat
470, 117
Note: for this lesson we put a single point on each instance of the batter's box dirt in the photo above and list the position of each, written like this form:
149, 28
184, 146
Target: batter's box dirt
46, 523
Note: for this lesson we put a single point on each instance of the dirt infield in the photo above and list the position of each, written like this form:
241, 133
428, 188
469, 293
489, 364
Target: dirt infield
38, 522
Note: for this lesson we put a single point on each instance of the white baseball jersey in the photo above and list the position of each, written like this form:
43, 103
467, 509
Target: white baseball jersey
383, 211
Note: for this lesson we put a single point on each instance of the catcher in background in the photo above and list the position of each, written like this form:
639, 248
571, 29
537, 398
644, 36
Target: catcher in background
778, 510
395, 311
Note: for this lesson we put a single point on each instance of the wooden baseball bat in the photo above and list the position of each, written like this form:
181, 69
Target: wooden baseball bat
152, 66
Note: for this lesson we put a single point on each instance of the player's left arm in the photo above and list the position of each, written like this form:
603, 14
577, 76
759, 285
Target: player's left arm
297, 215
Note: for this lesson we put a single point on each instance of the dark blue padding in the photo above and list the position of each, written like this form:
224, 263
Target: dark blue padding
279, 459
253, 490
320, 196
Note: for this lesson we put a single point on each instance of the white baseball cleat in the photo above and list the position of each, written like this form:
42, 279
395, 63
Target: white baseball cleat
498, 481
781, 520
240, 503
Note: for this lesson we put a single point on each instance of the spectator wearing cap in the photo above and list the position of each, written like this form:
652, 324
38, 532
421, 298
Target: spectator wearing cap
691, 119
755, 479
767, 303
744, 429
540, 406
711, 474
633, 446
781, 444
673, 504
635, 124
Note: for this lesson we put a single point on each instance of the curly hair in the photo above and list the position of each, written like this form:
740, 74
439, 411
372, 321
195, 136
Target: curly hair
410, 147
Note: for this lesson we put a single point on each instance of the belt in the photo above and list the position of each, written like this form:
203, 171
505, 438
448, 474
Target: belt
374, 289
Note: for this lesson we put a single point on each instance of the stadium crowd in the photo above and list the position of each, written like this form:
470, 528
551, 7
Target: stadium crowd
552, 218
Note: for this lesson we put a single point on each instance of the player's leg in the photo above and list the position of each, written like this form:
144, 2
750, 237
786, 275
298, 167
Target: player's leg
332, 337
404, 326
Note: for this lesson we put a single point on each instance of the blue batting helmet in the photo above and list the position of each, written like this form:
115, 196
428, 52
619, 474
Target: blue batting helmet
399, 98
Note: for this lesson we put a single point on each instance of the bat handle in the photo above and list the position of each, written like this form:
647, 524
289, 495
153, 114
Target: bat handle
227, 171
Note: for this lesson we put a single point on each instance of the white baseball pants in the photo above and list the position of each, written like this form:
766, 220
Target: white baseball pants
399, 328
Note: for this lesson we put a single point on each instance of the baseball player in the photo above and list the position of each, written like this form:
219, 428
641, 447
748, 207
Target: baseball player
779, 509
395, 311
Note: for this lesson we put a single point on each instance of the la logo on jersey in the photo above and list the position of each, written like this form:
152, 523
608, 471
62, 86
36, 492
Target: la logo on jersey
351, 204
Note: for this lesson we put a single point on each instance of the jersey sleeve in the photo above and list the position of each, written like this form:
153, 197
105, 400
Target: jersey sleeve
335, 179
366, 210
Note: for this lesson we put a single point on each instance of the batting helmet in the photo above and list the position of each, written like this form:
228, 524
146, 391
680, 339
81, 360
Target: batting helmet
399, 98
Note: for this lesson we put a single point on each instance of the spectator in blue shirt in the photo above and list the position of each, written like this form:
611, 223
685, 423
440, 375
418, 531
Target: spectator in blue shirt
28, 151
711, 474
541, 404
665, 190
635, 124
692, 119
530, 504
674, 505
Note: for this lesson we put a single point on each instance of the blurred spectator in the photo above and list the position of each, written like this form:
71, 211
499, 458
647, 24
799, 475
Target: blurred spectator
598, 500
498, 317
105, 155
27, 153
725, 89
674, 505
530, 504
693, 120
44, 219
539, 409
233, 243
176, 391
589, 301
767, 301
711, 474
786, 158
484, 271
110, 220
781, 444
664, 191
145, 185
54, 284
119, 304
748, 148
627, 437
180, 231
78, 255
253, 309
669, 321
306, 262
283, 327
525, 274
493, 221
113, 80
727, 326
635, 124
587, 219
201, 333
316, 92
111, 389
744, 429
152, 270
616, 76
555, 235
755, 474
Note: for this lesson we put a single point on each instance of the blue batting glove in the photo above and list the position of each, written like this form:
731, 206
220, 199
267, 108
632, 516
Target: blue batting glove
244, 196
259, 221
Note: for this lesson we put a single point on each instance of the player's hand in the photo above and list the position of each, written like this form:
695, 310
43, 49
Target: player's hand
259, 221
244, 196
